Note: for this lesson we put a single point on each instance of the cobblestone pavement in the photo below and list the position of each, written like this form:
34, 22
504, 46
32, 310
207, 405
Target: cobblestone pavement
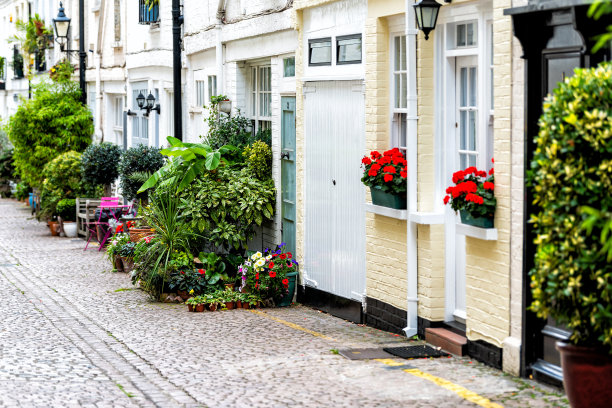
75, 334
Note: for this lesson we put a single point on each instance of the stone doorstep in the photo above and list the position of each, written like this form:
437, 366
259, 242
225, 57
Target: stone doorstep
447, 340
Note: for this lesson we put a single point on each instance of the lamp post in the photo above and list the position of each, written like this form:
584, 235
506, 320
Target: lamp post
177, 20
62, 26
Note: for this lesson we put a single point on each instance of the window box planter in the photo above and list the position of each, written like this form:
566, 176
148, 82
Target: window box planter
482, 222
379, 197
146, 14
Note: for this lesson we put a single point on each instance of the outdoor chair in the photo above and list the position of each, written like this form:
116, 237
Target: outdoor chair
109, 207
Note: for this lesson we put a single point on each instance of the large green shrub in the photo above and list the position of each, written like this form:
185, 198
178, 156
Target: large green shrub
140, 159
225, 205
572, 168
62, 180
53, 122
100, 163
258, 158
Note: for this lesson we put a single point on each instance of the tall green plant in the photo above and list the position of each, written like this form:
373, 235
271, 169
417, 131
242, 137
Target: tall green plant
100, 164
53, 122
572, 169
171, 234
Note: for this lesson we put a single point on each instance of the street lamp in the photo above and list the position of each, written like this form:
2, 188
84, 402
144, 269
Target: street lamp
426, 15
62, 25
147, 104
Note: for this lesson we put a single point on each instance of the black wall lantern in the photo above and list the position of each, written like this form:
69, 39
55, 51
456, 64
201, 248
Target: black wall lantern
147, 104
426, 15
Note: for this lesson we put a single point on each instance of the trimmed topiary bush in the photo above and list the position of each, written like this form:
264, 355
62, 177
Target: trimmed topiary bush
571, 169
100, 164
135, 163
66, 208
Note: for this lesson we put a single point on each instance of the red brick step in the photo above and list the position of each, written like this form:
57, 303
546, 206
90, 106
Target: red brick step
447, 340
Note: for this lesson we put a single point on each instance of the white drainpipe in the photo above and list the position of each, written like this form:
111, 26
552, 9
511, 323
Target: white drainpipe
412, 118
219, 47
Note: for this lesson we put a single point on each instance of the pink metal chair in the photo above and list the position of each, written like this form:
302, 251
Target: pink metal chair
106, 203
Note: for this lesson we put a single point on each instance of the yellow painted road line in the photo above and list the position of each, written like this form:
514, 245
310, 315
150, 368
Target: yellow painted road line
457, 389
292, 325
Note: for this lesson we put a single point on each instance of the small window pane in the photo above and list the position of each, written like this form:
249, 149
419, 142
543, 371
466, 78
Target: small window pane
403, 48
463, 87
398, 53
473, 86
471, 34
398, 84
320, 52
200, 98
404, 95
349, 49
463, 161
462, 126
289, 67
461, 35
472, 145
212, 86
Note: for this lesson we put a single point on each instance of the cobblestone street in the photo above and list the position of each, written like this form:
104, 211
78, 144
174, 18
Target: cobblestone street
75, 334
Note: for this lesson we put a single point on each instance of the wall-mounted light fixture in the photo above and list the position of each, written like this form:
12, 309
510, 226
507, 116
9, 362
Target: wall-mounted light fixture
426, 12
147, 103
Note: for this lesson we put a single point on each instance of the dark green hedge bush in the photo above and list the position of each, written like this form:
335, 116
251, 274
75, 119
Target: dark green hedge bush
572, 168
100, 163
140, 159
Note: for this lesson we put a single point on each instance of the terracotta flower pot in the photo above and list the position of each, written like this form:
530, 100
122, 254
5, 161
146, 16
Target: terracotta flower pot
199, 307
190, 308
128, 263
118, 263
245, 305
183, 294
239, 304
587, 375
212, 307
229, 305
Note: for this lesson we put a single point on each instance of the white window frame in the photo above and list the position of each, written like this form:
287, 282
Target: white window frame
399, 114
258, 116
117, 121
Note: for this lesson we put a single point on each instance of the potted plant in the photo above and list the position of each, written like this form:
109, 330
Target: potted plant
113, 251
571, 279
126, 252
66, 210
473, 196
386, 174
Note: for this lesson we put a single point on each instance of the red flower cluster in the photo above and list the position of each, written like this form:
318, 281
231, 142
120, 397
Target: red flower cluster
381, 169
473, 191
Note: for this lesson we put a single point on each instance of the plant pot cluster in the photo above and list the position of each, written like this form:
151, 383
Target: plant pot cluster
221, 300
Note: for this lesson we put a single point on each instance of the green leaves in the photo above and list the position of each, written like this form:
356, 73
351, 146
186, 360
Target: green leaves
571, 183
190, 160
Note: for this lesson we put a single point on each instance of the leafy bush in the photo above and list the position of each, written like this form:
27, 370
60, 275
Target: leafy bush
258, 158
100, 163
62, 180
53, 122
226, 204
6, 165
23, 191
141, 159
571, 169
66, 208
224, 129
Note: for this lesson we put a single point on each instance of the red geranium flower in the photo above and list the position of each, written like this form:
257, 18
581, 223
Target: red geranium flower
388, 178
272, 274
375, 166
446, 199
283, 256
458, 176
372, 173
289, 255
201, 271
390, 169
491, 172
488, 185
375, 154
366, 160
403, 174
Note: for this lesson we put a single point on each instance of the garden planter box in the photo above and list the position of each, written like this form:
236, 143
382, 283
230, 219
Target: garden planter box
379, 197
136, 234
482, 222
286, 300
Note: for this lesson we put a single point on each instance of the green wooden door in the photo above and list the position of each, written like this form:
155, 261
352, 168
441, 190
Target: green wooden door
288, 171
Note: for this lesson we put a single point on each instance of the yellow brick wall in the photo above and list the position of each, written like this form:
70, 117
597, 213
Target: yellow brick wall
488, 262
385, 237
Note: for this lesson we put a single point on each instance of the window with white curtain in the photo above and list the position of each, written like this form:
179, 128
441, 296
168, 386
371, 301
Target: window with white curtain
261, 97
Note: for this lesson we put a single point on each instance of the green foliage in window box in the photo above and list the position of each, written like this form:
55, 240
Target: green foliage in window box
100, 163
258, 159
225, 206
66, 208
51, 123
140, 159
571, 169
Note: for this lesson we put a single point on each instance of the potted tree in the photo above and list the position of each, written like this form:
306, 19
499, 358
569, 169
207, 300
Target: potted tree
572, 277
386, 174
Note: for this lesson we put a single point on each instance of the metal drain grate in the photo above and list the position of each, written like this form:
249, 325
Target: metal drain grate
364, 353
420, 351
